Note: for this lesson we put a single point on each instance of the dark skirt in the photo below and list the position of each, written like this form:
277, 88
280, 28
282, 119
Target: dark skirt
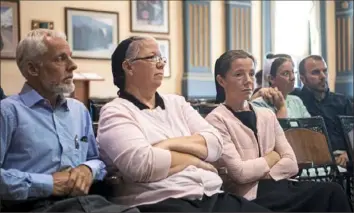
290, 196
223, 202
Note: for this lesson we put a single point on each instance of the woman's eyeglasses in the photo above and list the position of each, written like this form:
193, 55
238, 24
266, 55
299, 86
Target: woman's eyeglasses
154, 58
287, 74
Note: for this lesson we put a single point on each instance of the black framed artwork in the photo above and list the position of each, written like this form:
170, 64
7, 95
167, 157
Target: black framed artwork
151, 16
92, 34
164, 45
10, 28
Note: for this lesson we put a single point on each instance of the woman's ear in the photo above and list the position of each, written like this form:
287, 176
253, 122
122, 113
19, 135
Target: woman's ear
271, 80
127, 68
220, 80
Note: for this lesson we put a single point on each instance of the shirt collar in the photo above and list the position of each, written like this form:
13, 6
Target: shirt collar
31, 97
158, 100
235, 112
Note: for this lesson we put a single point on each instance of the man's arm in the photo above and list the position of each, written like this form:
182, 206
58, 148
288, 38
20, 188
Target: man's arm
15, 184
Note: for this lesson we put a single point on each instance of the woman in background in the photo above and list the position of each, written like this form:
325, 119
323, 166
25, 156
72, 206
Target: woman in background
258, 159
278, 82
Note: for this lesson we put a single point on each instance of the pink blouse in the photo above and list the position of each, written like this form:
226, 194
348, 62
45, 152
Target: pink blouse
241, 153
126, 136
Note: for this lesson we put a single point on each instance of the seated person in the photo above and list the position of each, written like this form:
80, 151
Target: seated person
278, 72
2, 94
48, 152
160, 146
320, 101
258, 159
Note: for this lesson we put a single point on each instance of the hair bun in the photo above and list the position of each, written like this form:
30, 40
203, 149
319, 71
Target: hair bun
270, 56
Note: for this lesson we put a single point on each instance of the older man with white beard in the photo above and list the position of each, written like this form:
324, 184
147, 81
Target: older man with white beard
48, 152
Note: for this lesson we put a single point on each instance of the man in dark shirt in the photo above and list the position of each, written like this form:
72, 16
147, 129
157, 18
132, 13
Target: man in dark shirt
2, 94
319, 101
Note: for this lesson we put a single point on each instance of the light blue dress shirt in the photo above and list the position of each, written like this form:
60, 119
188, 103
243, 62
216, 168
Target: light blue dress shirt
37, 140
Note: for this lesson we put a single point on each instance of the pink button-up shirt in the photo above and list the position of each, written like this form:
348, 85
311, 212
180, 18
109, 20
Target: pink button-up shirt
126, 135
241, 153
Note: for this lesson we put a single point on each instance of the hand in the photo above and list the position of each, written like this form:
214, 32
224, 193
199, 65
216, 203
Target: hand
206, 166
271, 95
272, 158
263, 92
278, 99
342, 159
80, 180
60, 180
162, 145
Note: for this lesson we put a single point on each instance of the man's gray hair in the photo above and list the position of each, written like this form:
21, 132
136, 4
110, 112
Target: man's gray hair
32, 47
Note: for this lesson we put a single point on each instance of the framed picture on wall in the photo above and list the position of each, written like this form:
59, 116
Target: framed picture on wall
36, 24
164, 45
149, 16
10, 28
92, 34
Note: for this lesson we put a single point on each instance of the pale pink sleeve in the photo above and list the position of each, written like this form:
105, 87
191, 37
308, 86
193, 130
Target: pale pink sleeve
287, 165
240, 171
121, 140
198, 125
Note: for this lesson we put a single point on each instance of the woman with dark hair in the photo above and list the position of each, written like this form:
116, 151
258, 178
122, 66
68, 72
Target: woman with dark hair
160, 146
257, 160
278, 82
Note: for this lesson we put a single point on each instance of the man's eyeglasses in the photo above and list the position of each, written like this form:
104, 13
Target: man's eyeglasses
153, 58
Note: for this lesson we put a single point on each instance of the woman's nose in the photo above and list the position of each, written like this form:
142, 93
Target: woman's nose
160, 65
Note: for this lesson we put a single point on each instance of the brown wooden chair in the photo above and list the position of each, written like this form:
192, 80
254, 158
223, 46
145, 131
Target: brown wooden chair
347, 125
309, 139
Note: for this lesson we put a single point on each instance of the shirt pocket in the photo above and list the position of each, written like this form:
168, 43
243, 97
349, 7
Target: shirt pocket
80, 149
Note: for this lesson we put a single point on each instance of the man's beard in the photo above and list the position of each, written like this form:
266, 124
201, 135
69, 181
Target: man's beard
63, 89
318, 87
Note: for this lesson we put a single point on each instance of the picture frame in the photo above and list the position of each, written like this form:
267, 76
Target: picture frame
164, 45
92, 34
10, 28
36, 24
147, 16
